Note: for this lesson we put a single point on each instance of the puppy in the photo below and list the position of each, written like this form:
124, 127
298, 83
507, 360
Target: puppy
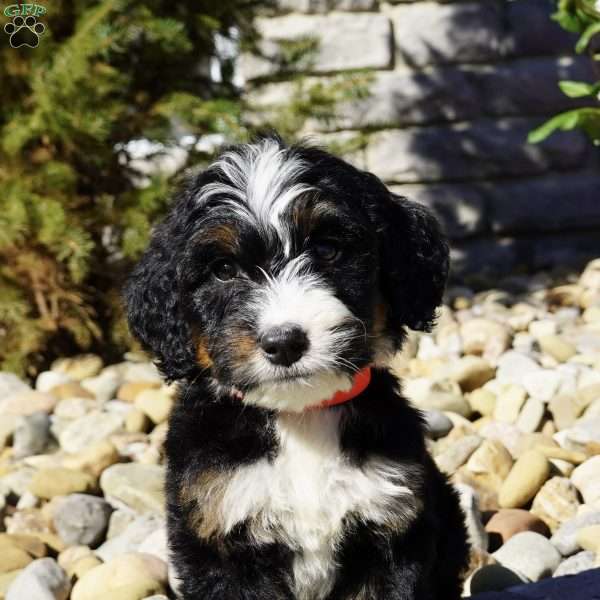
276, 291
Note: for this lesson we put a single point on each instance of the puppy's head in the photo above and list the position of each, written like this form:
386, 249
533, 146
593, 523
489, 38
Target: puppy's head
281, 271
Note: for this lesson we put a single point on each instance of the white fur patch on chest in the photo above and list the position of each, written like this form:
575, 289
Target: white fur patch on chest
301, 497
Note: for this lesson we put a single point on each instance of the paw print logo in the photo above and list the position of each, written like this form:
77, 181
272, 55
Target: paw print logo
24, 31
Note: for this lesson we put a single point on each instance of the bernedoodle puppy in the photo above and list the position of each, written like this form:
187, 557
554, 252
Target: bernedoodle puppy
276, 291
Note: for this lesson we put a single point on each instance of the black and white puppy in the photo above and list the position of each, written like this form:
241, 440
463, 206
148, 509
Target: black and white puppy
276, 291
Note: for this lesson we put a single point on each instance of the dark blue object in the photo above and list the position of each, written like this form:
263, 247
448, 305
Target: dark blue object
585, 586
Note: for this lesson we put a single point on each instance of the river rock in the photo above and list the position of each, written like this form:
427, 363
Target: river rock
444, 395
542, 384
556, 503
81, 519
67, 558
493, 460
140, 372
482, 401
485, 337
94, 459
590, 278
51, 482
513, 366
529, 554
565, 538
156, 403
31, 435
130, 539
564, 411
26, 403
525, 479
11, 384
128, 392
140, 487
586, 478
103, 386
509, 403
531, 415
72, 389
588, 538
92, 428
457, 453
8, 424
493, 578
471, 372
156, 544
43, 579
582, 561
507, 522
78, 367
557, 347
137, 422
13, 557
46, 380
140, 575
438, 424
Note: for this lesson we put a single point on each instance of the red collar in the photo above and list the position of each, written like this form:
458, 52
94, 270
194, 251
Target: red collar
361, 382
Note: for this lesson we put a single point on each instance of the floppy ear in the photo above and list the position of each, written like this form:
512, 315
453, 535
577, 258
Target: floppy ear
153, 298
414, 262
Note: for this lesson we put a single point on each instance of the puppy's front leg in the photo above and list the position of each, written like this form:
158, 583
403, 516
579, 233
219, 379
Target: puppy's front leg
389, 582
226, 567
378, 565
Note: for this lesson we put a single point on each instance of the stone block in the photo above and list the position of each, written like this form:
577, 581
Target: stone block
470, 151
503, 255
323, 6
555, 203
526, 86
428, 33
461, 208
531, 31
455, 93
343, 41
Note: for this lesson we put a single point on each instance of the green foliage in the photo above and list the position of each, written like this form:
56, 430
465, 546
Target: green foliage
76, 207
71, 217
581, 17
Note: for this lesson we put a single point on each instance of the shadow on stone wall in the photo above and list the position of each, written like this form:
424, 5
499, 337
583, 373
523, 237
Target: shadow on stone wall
507, 205
456, 87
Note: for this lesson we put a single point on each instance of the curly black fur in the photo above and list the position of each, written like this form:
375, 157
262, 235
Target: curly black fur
388, 275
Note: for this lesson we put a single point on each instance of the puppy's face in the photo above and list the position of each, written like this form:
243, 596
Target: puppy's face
277, 259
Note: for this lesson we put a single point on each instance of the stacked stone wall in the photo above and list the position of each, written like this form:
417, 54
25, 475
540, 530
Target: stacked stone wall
455, 87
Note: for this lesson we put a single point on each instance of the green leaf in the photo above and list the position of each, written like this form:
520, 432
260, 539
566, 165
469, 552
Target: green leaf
565, 121
586, 37
577, 89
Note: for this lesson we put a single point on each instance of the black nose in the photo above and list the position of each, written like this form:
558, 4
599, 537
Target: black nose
284, 345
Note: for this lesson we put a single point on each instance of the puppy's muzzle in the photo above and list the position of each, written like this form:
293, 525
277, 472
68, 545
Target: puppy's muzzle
285, 344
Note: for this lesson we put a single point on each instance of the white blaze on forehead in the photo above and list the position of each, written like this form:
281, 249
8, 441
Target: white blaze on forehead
263, 176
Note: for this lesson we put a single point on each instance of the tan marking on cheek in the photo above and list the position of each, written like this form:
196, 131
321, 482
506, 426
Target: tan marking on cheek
206, 492
245, 346
202, 354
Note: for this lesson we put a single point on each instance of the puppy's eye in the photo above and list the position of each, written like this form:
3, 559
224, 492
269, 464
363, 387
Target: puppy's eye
224, 269
327, 250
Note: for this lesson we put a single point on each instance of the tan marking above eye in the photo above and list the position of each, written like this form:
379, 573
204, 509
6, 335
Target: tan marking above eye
224, 235
202, 354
